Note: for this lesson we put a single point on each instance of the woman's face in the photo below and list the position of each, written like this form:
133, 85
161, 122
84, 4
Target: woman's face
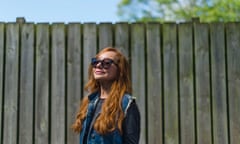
105, 67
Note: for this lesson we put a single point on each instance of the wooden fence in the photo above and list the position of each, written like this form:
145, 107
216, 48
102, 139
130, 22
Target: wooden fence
186, 77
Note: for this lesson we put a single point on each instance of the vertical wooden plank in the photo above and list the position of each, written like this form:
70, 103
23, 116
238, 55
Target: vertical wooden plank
218, 69
74, 77
11, 84
202, 71
138, 73
58, 84
89, 47
154, 84
26, 85
42, 85
1, 75
105, 35
186, 82
171, 135
233, 79
122, 38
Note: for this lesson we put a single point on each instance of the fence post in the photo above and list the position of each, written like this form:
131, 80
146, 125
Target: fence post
20, 20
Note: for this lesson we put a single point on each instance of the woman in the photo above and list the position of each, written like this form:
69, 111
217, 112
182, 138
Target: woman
109, 114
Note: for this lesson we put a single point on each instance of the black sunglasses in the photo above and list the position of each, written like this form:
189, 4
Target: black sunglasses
105, 63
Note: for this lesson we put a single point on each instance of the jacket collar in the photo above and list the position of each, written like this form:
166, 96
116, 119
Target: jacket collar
93, 96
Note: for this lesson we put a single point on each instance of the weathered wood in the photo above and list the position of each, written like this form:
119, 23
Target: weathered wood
11, 84
186, 83
74, 77
202, 76
26, 90
105, 35
154, 84
218, 69
170, 84
139, 73
233, 79
121, 38
1, 75
20, 20
42, 86
185, 77
89, 48
58, 84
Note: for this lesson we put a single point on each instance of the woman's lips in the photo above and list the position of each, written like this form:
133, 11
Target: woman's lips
99, 72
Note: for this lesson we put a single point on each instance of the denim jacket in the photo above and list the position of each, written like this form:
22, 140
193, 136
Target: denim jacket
93, 137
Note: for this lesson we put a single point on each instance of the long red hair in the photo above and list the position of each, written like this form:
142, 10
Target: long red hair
112, 113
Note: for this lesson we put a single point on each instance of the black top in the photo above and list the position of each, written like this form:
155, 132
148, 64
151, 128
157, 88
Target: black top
131, 123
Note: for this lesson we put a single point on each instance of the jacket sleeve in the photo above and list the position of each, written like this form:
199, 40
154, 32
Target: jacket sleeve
131, 125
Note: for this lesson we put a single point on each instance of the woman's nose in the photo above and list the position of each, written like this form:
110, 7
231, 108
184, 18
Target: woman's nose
99, 65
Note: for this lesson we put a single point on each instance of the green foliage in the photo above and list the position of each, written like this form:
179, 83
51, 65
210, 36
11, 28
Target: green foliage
179, 10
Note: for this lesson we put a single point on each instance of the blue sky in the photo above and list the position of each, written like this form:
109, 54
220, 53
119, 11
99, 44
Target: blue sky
59, 10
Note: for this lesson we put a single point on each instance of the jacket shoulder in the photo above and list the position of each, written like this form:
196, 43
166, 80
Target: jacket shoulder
126, 102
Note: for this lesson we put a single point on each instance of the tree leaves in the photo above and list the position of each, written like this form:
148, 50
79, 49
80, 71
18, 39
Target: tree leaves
179, 10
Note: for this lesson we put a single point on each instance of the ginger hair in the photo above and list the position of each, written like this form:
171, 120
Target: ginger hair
112, 114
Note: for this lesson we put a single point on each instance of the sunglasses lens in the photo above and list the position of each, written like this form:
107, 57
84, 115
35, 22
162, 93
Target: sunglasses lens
94, 62
105, 63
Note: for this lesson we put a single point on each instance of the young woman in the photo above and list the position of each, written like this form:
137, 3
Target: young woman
109, 114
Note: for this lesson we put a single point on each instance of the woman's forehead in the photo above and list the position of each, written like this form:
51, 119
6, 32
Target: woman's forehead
108, 54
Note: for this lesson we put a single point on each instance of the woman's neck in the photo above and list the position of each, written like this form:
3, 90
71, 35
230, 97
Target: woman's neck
103, 95
105, 91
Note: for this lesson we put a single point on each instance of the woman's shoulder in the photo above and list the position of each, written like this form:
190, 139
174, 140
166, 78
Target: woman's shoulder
127, 100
